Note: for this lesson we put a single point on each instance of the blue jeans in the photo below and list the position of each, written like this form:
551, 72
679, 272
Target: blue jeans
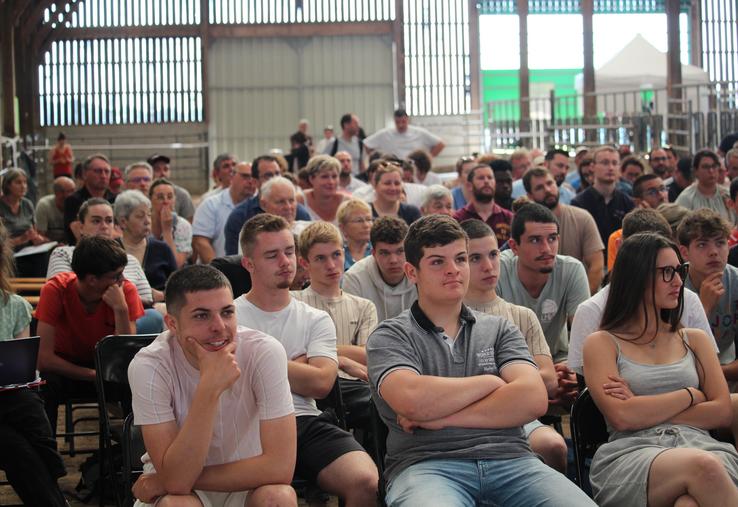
151, 322
521, 482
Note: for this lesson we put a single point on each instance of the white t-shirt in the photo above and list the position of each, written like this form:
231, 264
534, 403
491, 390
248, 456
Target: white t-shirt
210, 219
589, 314
163, 384
301, 329
401, 144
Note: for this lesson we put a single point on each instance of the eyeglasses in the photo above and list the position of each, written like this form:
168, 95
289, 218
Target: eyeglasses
668, 272
653, 192
140, 179
99, 170
659, 159
709, 167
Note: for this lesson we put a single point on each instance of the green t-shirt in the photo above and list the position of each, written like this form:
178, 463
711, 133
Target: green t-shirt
15, 316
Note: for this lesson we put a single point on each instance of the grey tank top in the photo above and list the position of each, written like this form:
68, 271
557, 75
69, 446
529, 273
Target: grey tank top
648, 379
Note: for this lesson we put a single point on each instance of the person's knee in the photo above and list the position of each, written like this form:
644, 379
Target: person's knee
179, 501
707, 467
273, 495
686, 501
550, 446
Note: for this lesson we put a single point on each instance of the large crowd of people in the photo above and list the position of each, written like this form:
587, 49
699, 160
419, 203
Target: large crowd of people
465, 306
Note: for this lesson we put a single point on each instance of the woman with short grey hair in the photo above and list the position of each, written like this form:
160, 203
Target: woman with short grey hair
133, 214
437, 200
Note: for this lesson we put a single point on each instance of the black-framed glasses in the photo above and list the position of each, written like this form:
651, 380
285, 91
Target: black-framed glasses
668, 272
653, 192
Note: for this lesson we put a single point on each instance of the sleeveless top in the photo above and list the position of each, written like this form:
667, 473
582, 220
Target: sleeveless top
648, 379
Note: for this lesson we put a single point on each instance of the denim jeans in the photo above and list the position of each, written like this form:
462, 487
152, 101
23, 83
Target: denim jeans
519, 482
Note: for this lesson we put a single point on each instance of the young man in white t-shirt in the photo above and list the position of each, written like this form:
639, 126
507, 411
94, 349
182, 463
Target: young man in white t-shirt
326, 454
214, 405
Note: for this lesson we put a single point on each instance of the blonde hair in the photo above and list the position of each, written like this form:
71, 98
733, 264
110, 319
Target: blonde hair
350, 206
318, 232
603, 149
386, 169
322, 163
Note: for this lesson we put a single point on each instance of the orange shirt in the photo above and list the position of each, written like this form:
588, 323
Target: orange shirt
612, 248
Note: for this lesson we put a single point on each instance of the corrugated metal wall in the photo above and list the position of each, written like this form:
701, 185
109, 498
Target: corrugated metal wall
260, 88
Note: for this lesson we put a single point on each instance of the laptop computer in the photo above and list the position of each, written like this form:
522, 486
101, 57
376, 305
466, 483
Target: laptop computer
18, 361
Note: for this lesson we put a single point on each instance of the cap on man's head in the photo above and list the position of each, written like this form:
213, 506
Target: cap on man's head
153, 159
328, 127
115, 176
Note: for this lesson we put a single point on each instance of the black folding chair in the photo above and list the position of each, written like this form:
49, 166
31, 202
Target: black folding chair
113, 354
379, 437
588, 432
133, 449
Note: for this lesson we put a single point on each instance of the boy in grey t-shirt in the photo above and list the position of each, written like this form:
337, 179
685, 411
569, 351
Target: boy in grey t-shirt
703, 239
454, 387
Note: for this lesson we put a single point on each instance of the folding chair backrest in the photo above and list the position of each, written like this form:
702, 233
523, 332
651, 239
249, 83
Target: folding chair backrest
113, 354
588, 432
334, 401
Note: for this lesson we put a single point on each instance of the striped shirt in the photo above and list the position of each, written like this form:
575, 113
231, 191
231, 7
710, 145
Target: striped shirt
354, 317
525, 320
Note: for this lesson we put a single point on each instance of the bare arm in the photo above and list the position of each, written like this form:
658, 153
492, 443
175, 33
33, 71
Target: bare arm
634, 413
438, 148
116, 299
275, 464
730, 370
312, 378
519, 401
204, 249
425, 397
716, 410
548, 373
354, 352
179, 454
49, 361
594, 263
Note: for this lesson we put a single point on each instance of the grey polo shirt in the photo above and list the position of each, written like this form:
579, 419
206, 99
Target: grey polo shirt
410, 341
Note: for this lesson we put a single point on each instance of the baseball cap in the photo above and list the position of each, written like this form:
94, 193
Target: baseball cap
153, 159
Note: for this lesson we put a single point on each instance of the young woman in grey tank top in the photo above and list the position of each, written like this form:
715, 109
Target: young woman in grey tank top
660, 389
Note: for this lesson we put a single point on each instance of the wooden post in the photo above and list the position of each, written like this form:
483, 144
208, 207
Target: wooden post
7, 68
475, 60
398, 40
524, 73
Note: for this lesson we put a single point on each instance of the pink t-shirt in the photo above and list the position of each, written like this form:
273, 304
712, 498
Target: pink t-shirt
163, 384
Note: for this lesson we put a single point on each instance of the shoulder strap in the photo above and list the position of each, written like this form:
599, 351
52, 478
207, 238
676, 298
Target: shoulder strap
334, 150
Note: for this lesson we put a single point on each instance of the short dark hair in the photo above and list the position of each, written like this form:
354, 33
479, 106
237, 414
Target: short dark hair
92, 201
400, 113
550, 154
640, 181
531, 212
422, 160
704, 154
476, 229
684, 166
189, 279
391, 230
631, 160
470, 176
346, 119
500, 165
97, 256
258, 160
641, 220
535, 172
263, 222
158, 182
430, 231
702, 223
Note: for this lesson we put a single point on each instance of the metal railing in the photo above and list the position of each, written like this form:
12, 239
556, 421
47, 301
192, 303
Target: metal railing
693, 117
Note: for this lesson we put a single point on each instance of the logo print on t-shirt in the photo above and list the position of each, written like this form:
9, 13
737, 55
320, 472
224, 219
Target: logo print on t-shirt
549, 309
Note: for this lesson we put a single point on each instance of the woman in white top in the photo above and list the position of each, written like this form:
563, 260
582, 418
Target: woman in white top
323, 199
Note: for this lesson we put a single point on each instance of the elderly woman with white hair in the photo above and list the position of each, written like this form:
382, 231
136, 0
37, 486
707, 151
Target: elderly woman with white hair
133, 214
437, 200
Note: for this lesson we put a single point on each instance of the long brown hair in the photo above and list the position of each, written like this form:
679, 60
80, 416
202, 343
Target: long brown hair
7, 267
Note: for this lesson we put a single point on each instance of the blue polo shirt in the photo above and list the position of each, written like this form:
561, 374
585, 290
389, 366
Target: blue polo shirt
241, 214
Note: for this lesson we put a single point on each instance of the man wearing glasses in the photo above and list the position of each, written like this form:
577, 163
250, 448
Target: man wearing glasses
208, 237
96, 174
649, 191
705, 191
659, 162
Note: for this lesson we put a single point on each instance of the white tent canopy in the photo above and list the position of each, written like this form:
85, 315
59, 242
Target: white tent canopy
641, 65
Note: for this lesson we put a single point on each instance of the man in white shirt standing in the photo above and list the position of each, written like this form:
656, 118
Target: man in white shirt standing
403, 138
326, 454
191, 384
